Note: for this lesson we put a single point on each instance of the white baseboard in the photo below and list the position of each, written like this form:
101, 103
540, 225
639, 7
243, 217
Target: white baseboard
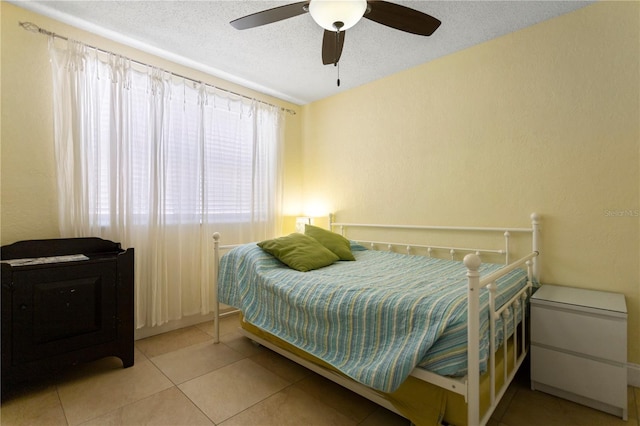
144, 332
633, 374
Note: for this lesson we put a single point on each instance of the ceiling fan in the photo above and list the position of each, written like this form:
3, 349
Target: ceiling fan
336, 16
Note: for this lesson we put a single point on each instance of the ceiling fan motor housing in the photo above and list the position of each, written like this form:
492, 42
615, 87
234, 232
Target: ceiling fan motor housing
337, 15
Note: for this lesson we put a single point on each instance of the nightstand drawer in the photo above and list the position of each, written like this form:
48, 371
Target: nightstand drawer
594, 335
582, 376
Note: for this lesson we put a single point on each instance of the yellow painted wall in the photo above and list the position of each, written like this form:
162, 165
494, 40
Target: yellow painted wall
546, 119
28, 190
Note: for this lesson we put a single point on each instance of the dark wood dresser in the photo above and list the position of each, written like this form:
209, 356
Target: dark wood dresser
63, 311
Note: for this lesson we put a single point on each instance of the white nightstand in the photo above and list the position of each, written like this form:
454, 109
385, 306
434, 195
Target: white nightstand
579, 346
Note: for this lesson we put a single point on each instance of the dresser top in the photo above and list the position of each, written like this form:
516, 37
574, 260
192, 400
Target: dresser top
579, 297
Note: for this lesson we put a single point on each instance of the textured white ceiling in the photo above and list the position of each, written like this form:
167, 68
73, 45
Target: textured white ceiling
283, 59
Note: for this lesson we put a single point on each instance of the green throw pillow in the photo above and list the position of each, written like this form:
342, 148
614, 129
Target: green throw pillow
334, 242
299, 252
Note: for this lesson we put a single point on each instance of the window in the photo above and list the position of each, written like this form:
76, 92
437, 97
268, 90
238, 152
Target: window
159, 163
185, 154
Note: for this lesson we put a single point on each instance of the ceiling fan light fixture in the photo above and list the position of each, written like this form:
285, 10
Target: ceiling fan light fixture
327, 13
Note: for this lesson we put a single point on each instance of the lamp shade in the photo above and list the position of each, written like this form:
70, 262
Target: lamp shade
327, 12
301, 221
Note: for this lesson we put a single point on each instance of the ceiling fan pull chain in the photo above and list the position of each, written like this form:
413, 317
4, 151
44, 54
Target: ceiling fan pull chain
337, 26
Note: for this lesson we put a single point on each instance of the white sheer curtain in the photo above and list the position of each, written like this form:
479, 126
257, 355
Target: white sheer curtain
159, 163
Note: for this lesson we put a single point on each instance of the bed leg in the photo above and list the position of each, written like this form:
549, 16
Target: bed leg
472, 262
216, 303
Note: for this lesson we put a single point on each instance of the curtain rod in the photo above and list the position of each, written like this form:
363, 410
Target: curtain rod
29, 26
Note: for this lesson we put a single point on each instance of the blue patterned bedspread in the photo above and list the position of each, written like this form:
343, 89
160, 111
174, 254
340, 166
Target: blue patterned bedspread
374, 319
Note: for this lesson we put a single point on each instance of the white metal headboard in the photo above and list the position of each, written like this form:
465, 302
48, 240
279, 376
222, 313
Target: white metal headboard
534, 230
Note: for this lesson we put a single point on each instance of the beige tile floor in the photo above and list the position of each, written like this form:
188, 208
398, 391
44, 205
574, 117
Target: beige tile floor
181, 378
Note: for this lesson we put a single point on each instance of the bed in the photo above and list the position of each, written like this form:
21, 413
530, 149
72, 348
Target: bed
435, 340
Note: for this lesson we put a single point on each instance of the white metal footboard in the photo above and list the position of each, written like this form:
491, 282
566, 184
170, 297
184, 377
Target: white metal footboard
475, 283
468, 386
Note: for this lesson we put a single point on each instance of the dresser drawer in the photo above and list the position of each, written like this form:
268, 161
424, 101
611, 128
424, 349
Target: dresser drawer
582, 376
591, 334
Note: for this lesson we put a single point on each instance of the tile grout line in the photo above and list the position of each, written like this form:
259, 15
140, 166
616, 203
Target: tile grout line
506, 409
64, 412
195, 405
130, 402
256, 403
177, 385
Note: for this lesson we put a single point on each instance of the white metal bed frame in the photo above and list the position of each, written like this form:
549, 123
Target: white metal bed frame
468, 386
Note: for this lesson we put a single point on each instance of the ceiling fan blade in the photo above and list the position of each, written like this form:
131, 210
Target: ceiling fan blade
401, 18
332, 43
270, 15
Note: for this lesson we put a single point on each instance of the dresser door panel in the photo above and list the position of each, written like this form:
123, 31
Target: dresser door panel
57, 310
